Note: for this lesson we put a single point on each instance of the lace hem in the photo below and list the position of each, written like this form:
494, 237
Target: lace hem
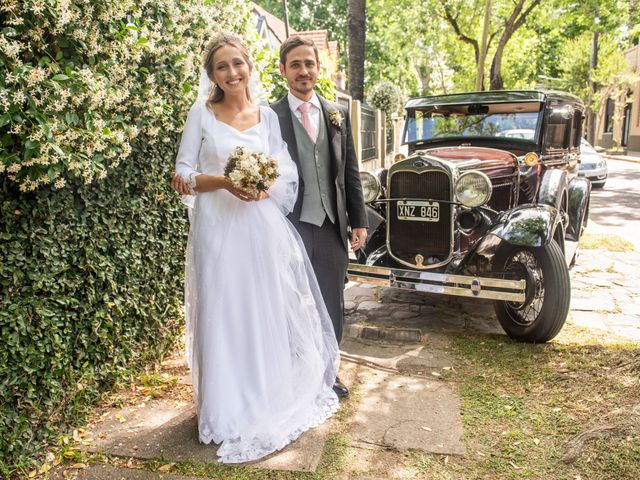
240, 450
191, 182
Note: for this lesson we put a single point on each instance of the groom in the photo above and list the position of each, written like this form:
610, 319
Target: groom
318, 135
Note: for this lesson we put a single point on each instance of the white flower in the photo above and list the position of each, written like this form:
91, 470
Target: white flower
251, 171
336, 118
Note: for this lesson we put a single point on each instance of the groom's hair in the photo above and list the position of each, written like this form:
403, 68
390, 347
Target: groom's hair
293, 42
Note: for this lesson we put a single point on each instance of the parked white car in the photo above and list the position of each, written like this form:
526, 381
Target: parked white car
592, 165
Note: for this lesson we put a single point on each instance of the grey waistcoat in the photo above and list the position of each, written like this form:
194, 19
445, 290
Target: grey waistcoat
315, 165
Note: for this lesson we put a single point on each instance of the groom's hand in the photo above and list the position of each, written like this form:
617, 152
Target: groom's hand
358, 238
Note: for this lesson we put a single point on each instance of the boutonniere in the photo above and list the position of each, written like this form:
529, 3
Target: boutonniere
336, 118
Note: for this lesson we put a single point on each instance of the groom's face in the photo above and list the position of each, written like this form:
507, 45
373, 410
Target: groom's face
301, 71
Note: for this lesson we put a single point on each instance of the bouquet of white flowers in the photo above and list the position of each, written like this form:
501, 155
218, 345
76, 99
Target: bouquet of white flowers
251, 171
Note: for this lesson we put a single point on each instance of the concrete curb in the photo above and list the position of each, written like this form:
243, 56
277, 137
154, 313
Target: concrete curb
624, 158
409, 335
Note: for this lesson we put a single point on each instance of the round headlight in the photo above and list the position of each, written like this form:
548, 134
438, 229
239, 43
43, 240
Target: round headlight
473, 189
370, 186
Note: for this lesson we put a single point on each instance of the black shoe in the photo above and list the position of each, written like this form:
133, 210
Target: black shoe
340, 389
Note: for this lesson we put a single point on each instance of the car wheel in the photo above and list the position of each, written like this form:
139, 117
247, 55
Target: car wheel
548, 290
599, 184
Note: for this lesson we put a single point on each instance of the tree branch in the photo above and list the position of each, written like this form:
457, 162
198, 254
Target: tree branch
453, 21
524, 15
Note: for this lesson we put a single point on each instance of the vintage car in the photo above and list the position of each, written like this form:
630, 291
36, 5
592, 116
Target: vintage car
485, 205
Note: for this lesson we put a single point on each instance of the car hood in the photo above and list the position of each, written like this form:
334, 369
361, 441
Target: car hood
477, 158
589, 158
463, 156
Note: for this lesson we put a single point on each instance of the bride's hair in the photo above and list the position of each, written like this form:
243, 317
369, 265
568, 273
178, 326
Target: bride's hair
215, 44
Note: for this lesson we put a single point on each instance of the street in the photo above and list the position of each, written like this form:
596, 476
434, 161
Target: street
614, 208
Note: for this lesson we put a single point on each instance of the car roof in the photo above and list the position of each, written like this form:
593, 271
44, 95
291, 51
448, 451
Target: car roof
495, 96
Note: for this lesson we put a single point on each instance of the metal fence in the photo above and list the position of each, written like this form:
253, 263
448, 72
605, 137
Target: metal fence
368, 132
344, 100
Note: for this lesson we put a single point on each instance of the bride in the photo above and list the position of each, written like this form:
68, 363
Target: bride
260, 342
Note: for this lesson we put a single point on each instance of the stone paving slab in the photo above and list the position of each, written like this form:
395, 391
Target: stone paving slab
128, 425
601, 303
110, 472
160, 428
408, 358
407, 413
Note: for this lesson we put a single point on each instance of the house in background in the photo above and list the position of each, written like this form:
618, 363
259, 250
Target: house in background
624, 127
271, 30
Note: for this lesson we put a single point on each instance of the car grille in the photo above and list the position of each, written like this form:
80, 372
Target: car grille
501, 197
407, 238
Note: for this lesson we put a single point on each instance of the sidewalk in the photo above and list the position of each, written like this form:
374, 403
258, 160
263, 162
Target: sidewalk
398, 361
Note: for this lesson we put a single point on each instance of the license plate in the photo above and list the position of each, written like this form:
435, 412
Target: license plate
418, 211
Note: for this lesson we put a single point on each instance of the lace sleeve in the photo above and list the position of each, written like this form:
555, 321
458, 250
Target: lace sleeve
285, 189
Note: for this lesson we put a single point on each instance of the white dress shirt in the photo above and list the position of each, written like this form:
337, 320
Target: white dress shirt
314, 113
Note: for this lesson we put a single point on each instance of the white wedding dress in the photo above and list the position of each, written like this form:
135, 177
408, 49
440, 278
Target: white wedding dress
259, 340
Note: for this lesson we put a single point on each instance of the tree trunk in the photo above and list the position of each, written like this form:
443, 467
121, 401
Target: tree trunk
356, 30
513, 23
424, 73
496, 82
593, 88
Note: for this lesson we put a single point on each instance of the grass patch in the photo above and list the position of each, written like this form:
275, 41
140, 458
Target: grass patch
611, 243
521, 403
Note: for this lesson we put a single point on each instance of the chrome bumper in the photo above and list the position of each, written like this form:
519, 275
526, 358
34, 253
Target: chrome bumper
458, 285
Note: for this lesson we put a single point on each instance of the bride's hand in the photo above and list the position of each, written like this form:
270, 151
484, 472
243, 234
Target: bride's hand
238, 192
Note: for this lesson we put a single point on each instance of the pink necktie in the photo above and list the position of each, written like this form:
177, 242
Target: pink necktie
305, 108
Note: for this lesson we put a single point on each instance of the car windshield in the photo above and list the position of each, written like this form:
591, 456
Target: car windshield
502, 121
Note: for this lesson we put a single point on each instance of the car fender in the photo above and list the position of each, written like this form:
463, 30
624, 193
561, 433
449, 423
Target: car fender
578, 208
376, 235
552, 186
373, 218
527, 225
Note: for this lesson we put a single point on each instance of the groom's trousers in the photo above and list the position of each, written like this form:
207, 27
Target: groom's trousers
329, 260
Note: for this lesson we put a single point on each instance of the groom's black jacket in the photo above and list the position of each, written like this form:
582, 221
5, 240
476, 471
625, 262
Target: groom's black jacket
344, 165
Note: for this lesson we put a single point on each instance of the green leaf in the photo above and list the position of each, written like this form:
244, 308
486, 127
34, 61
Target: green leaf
4, 119
59, 77
57, 149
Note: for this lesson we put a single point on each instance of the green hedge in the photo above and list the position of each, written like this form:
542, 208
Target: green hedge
93, 95
91, 285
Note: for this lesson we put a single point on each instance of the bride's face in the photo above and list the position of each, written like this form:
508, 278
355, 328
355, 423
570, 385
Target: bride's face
231, 71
